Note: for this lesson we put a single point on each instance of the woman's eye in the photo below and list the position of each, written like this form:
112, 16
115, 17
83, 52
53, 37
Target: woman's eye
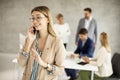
38, 17
33, 18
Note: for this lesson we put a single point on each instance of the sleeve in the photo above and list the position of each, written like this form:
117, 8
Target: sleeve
78, 28
100, 59
68, 30
90, 49
96, 32
59, 57
23, 56
77, 51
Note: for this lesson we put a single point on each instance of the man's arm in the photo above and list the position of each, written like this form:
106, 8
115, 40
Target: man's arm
78, 28
77, 51
96, 32
90, 50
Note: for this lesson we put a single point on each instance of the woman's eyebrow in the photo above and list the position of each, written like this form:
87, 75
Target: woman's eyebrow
32, 15
36, 15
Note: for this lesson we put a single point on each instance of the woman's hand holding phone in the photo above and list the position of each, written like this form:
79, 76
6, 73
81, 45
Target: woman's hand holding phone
31, 37
32, 34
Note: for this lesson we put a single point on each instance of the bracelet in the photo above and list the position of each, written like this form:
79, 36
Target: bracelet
48, 65
25, 54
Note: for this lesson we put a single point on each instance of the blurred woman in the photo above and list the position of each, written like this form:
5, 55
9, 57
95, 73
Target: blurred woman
62, 29
43, 52
102, 60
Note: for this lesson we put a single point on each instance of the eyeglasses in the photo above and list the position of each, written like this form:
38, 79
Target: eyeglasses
37, 18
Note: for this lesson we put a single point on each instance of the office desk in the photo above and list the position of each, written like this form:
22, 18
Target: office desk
72, 64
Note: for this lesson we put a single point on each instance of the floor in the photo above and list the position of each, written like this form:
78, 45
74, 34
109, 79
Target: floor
7, 71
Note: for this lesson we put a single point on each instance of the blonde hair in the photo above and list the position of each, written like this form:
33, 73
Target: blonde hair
104, 39
45, 10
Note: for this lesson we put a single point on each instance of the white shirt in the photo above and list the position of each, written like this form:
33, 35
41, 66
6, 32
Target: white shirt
63, 31
87, 23
103, 61
83, 43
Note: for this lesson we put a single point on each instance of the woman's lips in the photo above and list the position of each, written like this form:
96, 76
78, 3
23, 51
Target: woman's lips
37, 26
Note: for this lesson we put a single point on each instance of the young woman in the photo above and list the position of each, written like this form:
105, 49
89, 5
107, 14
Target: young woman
102, 60
62, 29
43, 53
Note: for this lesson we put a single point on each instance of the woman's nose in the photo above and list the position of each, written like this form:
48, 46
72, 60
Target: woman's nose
34, 21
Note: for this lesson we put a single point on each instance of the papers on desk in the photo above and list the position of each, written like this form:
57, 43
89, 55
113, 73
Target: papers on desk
76, 60
72, 64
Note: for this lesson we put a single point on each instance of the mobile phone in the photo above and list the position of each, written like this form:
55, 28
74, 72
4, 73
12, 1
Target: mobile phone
34, 30
82, 63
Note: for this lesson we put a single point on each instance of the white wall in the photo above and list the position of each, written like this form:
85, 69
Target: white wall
14, 18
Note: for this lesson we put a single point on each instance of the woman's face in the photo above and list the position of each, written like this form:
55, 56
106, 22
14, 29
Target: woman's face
39, 20
60, 20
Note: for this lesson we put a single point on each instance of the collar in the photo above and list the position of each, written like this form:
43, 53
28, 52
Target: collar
89, 18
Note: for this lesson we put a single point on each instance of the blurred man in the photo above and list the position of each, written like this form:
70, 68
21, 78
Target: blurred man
90, 24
